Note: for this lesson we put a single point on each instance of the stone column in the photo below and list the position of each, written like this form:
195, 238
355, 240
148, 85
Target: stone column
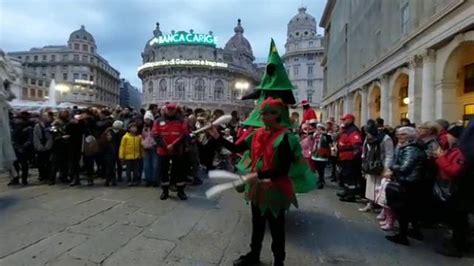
414, 89
349, 103
336, 110
364, 112
427, 87
447, 106
385, 98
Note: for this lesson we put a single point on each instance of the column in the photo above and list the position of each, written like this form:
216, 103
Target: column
427, 87
364, 112
385, 98
336, 110
414, 89
447, 106
349, 103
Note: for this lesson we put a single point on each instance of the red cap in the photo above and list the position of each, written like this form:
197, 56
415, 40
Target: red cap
304, 102
348, 117
171, 106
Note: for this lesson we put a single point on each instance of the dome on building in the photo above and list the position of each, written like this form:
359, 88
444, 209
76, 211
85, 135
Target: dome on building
238, 42
302, 25
82, 35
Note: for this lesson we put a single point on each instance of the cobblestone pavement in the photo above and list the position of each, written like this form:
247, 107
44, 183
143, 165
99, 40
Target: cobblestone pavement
59, 225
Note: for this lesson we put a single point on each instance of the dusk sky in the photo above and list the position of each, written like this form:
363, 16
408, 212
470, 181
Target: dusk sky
122, 27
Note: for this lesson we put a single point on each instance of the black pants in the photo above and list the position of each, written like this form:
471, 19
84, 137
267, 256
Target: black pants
59, 165
173, 170
109, 170
410, 211
277, 229
89, 165
351, 175
320, 167
459, 222
119, 168
133, 167
22, 165
74, 165
43, 159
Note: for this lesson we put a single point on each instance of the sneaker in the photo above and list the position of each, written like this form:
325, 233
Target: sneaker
367, 208
381, 216
398, 239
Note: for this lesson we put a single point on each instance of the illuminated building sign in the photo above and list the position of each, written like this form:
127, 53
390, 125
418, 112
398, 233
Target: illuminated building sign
182, 37
85, 82
182, 62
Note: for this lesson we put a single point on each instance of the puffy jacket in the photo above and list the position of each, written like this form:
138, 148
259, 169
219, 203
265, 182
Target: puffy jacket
130, 147
349, 143
410, 162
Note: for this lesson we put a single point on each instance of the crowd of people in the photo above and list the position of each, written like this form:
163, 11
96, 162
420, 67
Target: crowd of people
417, 175
413, 175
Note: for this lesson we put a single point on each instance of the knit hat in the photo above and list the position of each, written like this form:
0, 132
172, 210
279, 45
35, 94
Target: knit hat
117, 124
148, 115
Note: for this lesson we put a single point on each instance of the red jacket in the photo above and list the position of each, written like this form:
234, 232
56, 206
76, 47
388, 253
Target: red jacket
308, 114
170, 132
349, 143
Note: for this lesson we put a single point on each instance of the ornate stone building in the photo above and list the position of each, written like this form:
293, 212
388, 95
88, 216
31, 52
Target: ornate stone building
303, 56
188, 68
400, 58
82, 76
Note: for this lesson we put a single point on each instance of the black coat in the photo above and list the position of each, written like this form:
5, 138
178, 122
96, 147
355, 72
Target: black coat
410, 162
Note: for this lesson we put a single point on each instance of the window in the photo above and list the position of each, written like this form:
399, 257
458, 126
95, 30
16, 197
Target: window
45, 57
310, 83
91, 78
309, 96
92, 60
32, 93
75, 76
40, 82
76, 57
53, 75
64, 76
311, 57
40, 94
310, 69
180, 87
296, 70
24, 92
311, 44
219, 90
92, 49
35, 58
76, 46
84, 76
25, 80
296, 59
27, 58
85, 48
84, 58
33, 81
404, 18
199, 89
162, 89
53, 57
65, 57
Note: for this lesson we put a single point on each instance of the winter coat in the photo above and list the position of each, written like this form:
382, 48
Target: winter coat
130, 147
23, 137
322, 147
409, 163
349, 143
42, 138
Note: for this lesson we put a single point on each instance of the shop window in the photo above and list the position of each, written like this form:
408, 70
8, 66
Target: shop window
468, 113
469, 78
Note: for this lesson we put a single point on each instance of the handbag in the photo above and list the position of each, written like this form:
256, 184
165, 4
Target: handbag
395, 194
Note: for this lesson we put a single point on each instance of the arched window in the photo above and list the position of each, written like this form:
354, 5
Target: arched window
309, 96
162, 89
150, 87
180, 88
199, 89
219, 90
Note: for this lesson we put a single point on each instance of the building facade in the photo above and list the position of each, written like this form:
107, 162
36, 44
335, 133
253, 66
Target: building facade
303, 56
82, 76
130, 96
188, 68
400, 58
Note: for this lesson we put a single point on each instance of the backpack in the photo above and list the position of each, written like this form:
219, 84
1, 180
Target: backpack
451, 164
372, 163
91, 146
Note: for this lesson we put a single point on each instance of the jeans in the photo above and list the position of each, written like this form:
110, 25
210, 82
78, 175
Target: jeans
150, 166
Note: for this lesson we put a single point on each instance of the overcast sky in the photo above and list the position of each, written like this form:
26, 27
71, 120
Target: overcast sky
122, 27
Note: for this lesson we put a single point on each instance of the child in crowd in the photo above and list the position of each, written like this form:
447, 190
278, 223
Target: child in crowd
109, 150
131, 153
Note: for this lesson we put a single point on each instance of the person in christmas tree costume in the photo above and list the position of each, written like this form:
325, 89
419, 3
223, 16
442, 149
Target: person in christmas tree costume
276, 167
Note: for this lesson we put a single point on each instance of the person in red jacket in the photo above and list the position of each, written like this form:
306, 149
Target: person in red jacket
171, 133
308, 112
349, 145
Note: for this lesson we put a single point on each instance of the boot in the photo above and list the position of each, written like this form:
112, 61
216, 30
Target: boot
165, 194
381, 215
249, 259
14, 181
181, 194
367, 207
24, 182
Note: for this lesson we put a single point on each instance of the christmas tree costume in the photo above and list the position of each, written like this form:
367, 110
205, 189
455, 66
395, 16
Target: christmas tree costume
275, 158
